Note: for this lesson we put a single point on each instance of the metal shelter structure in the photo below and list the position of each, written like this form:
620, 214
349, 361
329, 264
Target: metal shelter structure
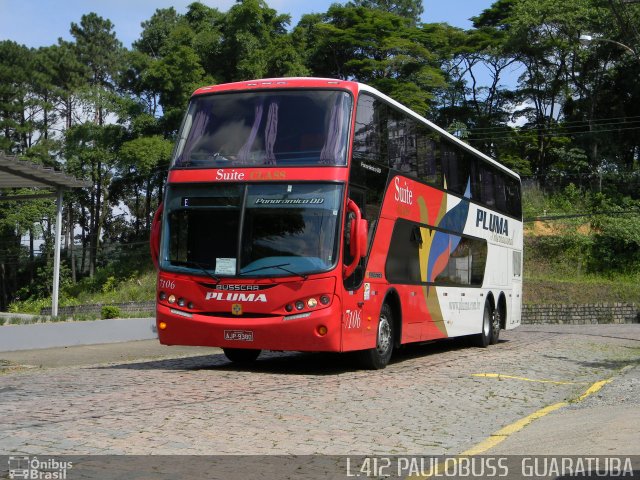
16, 173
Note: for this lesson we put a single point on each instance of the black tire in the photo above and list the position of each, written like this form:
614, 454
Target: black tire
241, 355
496, 320
377, 358
483, 339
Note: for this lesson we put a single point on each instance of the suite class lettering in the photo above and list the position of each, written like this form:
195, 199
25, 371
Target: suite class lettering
403, 192
229, 175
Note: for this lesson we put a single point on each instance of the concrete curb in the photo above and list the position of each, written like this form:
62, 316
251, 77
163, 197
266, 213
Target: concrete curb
67, 334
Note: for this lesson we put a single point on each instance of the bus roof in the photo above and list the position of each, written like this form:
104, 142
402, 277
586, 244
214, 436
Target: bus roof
353, 87
289, 82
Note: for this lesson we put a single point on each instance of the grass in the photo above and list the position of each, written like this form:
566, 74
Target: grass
580, 291
140, 288
560, 275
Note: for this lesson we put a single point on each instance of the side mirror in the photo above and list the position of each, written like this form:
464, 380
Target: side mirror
358, 236
362, 236
154, 238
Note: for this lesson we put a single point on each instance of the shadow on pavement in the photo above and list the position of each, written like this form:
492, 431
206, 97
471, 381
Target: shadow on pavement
608, 364
293, 363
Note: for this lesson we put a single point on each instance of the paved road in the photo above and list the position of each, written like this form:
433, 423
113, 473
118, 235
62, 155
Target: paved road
442, 398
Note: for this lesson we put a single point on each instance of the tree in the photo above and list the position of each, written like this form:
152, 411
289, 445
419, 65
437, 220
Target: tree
255, 42
143, 163
542, 35
91, 153
410, 9
484, 106
15, 124
156, 31
99, 51
375, 47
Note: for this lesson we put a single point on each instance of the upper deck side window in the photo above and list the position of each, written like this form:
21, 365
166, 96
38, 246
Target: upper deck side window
388, 136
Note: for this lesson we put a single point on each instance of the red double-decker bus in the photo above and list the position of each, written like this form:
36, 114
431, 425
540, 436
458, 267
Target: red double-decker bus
312, 214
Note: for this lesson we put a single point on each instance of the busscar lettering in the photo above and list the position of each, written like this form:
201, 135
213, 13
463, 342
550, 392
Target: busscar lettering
493, 223
227, 286
403, 192
236, 297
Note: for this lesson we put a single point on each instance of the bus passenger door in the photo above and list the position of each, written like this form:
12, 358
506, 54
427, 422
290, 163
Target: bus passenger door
514, 317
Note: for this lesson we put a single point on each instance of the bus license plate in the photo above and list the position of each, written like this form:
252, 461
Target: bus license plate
239, 335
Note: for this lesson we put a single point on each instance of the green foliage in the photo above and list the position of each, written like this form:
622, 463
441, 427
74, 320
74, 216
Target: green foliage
110, 285
109, 115
411, 9
616, 244
110, 311
144, 154
376, 47
98, 48
42, 285
600, 236
121, 265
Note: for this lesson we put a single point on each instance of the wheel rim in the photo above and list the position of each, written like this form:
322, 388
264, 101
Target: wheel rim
495, 324
384, 335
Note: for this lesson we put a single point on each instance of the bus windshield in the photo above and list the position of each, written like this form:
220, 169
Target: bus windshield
286, 229
248, 129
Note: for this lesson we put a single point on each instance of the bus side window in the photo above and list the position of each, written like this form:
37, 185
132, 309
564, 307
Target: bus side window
428, 161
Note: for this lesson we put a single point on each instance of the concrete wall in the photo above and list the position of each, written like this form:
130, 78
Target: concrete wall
96, 309
581, 314
531, 314
66, 334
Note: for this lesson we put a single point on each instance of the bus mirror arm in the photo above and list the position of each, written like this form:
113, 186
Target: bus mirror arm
154, 239
357, 237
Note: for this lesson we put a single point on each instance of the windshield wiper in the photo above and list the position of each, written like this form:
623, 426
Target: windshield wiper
202, 267
281, 267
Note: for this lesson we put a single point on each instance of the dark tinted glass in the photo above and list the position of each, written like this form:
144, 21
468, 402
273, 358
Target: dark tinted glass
308, 127
370, 136
290, 227
456, 168
465, 261
403, 260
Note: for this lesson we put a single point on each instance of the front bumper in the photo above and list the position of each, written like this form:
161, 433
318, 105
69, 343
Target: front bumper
264, 333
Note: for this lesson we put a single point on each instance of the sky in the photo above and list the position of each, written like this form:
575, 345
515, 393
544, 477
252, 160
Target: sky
37, 23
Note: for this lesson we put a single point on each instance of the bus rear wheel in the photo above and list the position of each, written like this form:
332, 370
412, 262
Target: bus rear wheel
377, 358
241, 355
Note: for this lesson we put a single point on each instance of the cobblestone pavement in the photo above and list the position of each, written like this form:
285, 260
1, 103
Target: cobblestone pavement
440, 398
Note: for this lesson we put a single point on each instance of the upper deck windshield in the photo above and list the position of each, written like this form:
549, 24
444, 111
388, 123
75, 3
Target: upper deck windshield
248, 129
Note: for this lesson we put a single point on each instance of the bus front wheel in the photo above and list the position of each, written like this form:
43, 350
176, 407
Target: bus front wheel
377, 358
241, 355
483, 339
